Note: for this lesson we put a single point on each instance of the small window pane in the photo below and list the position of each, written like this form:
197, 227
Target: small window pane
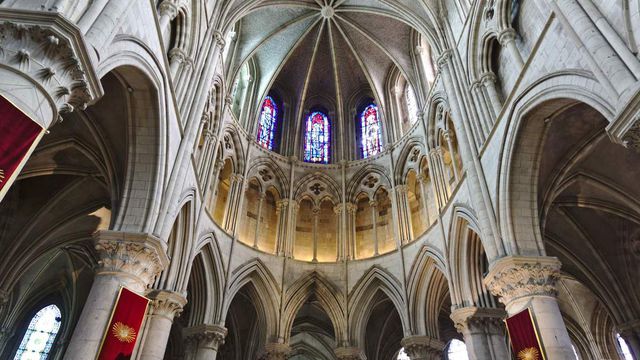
624, 348
457, 350
371, 131
317, 140
267, 124
38, 339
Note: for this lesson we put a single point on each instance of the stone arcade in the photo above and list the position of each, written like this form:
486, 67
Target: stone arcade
324, 179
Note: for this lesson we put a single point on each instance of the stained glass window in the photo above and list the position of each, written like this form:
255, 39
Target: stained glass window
38, 339
267, 124
371, 131
412, 107
316, 141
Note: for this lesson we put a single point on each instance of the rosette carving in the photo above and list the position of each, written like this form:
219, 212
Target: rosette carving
514, 277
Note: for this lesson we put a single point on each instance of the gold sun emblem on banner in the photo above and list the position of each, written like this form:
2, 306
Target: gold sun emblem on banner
529, 354
123, 332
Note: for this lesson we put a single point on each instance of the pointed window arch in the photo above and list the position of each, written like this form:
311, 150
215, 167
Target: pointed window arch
268, 123
38, 339
317, 138
371, 131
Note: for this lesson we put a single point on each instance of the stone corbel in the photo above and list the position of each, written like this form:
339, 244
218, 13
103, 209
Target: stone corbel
45, 66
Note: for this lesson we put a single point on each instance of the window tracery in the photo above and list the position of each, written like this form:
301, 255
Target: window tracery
371, 131
267, 123
41, 332
317, 138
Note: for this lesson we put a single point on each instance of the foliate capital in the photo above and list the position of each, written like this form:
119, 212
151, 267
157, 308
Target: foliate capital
139, 255
443, 59
488, 78
422, 347
219, 37
49, 53
211, 336
475, 319
507, 36
276, 351
167, 303
168, 8
514, 277
350, 353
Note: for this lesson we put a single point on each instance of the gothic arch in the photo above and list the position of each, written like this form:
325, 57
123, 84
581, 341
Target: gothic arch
361, 301
369, 179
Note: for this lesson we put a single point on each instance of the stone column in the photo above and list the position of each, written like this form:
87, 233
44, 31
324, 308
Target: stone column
523, 282
206, 339
404, 217
275, 351
630, 332
349, 353
316, 216
167, 11
420, 347
292, 228
425, 199
374, 223
490, 84
342, 243
507, 39
483, 332
165, 305
132, 260
282, 209
177, 57
233, 202
351, 230
260, 204
439, 182
486, 120
447, 137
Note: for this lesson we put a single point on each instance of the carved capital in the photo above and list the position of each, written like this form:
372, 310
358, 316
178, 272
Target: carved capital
443, 59
141, 256
488, 78
219, 37
514, 277
177, 55
47, 53
168, 8
402, 189
422, 347
275, 351
207, 336
167, 303
507, 36
631, 138
350, 353
474, 319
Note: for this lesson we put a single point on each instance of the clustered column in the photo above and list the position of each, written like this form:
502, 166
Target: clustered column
203, 341
422, 347
351, 230
483, 332
132, 260
523, 282
233, 202
403, 213
282, 209
374, 223
437, 167
490, 84
422, 180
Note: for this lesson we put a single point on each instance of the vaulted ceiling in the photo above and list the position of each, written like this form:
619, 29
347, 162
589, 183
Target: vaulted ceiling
328, 53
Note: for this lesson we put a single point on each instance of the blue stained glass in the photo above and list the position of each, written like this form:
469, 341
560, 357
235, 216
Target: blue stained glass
267, 124
317, 140
38, 339
371, 131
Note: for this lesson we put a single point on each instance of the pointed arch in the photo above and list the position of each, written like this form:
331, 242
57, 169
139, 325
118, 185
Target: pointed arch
361, 301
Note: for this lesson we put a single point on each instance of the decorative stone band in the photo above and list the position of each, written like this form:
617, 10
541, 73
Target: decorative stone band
167, 303
420, 347
350, 353
211, 336
514, 277
141, 256
475, 319
46, 52
275, 351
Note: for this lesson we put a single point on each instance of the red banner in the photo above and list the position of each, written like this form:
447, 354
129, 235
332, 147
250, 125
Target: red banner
124, 328
524, 337
18, 137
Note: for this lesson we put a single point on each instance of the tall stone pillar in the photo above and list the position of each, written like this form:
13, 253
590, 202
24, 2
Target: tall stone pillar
165, 306
342, 243
522, 282
351, 230
349, 353
282, 209
168, 10
447, 137
404, 217
132, 260
206, 339
483, 332
275, 351
420, 347
490, 83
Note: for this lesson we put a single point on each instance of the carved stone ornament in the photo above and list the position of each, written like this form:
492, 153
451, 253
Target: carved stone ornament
475, 319
211, 336
49, 51
515, 277
422, 347
167, 303
276, 351
350, 353
631, 138
139, 255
